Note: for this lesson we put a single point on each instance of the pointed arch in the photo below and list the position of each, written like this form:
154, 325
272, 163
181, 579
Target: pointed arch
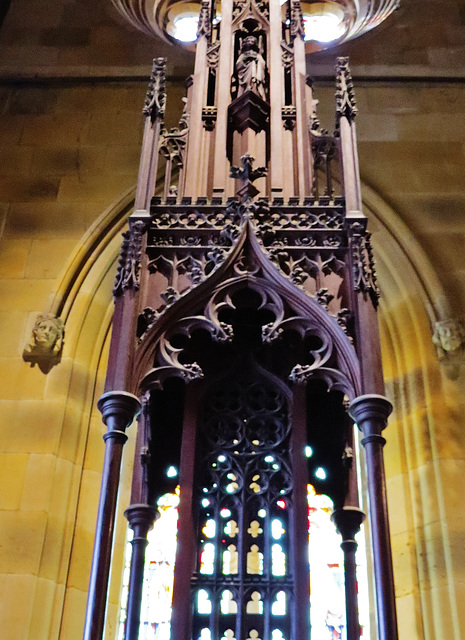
247, 266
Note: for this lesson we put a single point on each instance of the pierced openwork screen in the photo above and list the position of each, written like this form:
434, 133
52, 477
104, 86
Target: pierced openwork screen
243, 586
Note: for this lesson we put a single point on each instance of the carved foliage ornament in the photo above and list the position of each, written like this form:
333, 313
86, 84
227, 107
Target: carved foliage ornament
345, 96
173, 143
364, 271
128, 272
204, 25
213, 56
156, 96
297, 20
253, 7
46, 343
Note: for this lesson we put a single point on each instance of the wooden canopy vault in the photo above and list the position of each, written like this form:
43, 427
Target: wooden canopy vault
245, 328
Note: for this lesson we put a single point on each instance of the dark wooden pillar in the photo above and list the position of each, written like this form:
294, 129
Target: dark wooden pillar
299, 542
118, 409
348, 521
141, 518
370, 412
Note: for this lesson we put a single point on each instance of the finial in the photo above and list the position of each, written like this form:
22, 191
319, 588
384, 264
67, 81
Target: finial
247, 175
345, 96
156, 97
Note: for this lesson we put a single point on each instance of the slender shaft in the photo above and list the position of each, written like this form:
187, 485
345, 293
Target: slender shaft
118, 411
348, 521
141, 518
370, 412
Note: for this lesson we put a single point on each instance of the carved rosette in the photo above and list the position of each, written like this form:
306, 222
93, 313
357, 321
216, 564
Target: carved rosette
128, 272
156, 96
345, 96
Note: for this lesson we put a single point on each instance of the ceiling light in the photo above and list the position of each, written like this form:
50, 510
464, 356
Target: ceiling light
324, 21
185, 28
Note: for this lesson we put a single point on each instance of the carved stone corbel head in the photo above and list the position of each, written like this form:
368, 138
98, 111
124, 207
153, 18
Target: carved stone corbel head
449, 340
46, 343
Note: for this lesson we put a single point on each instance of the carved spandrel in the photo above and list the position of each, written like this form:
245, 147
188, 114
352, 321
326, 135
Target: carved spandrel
257, 8
156, 96
46, 343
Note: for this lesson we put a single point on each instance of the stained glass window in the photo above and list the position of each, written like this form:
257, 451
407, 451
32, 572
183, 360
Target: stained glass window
159, 573
326, 575
327, 602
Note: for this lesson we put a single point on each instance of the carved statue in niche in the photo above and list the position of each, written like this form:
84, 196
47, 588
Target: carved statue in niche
46, 344
251, 68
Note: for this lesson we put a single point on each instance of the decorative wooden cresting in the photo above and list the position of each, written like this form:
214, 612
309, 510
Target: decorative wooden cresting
245, 327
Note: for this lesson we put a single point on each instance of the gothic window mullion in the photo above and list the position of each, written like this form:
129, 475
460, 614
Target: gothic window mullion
267, 564
242, 549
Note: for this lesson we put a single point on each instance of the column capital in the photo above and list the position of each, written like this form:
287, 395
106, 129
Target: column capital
118, 409
348, 521
370, 408
141, 515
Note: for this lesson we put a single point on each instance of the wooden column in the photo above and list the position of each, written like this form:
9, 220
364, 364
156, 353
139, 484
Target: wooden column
348, 521
141, 518
118, 409
299, 542
370, 412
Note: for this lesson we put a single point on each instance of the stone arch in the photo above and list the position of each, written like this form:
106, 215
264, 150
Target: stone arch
82, 297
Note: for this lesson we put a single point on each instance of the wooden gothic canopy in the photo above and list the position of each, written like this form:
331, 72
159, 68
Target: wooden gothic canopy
245, 324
